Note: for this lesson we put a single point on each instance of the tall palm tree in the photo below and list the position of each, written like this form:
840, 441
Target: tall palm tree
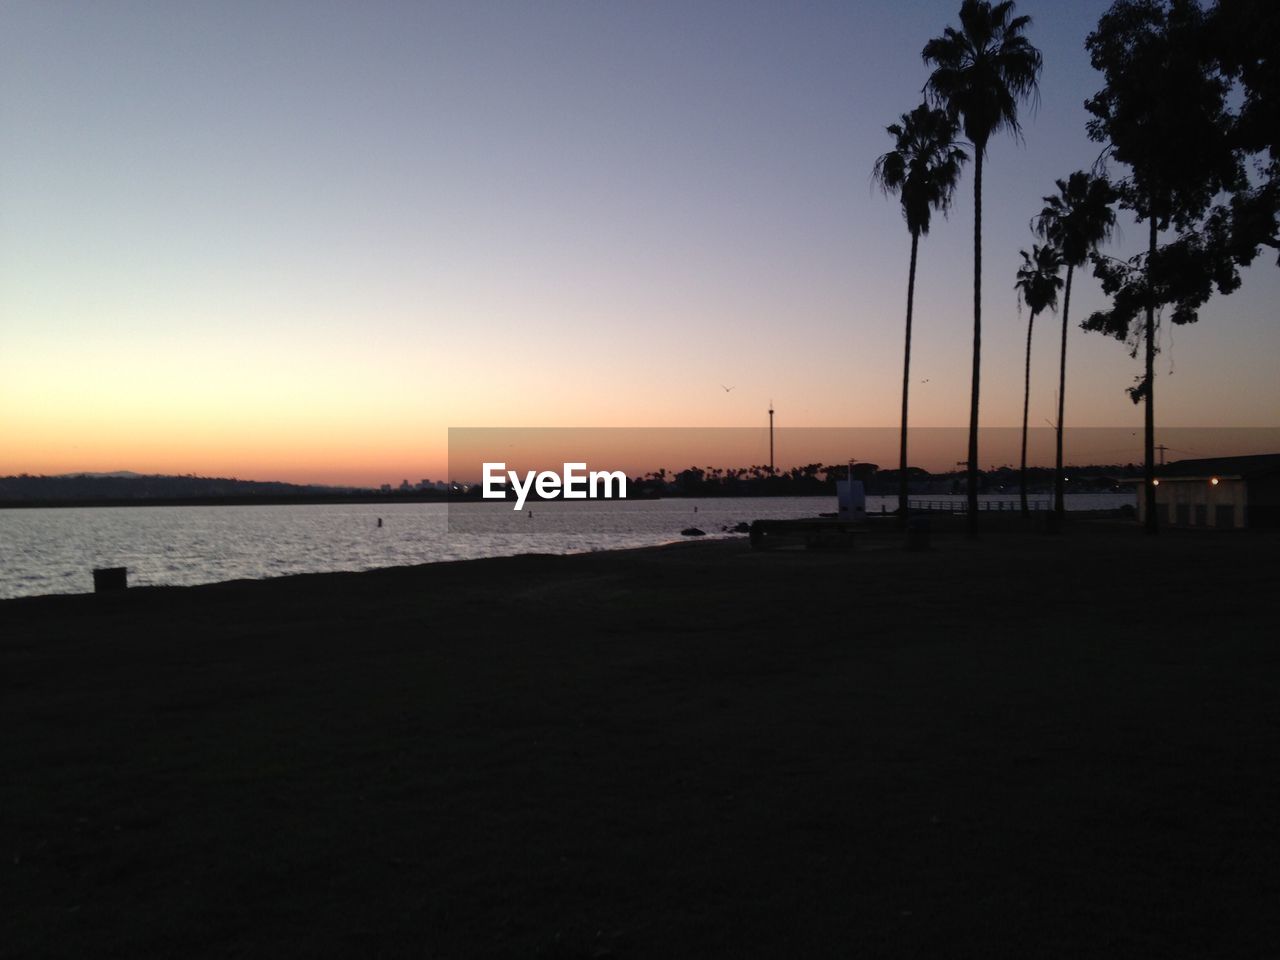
923, 168
1038, 284
1076, 220
980, 74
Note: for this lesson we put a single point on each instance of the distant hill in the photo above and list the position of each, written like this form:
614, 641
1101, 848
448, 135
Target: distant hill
126, 486
109, 473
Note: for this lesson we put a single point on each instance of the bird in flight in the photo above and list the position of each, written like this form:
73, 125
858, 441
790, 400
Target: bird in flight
925, 380
724, 388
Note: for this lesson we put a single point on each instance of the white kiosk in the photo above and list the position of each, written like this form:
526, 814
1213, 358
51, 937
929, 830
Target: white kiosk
852, 498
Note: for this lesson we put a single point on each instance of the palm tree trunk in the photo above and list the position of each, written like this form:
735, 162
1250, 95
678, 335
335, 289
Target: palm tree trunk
1026, 405
1149, 437
1060, 481
906, 380
977, 341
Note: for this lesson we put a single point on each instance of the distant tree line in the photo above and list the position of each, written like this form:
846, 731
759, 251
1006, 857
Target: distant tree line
813, 479
90, 487
816, 479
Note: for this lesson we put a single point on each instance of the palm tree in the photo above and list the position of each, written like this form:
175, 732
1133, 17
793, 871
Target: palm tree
923, 168
1075, 220
981, 73
1038, 284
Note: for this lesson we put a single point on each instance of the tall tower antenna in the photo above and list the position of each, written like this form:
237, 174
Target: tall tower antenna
771, 437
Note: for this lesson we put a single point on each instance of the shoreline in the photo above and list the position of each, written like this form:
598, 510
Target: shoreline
944, 521
709, 538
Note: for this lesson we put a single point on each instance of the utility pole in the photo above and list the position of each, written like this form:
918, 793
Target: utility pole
1162, 448
771, 438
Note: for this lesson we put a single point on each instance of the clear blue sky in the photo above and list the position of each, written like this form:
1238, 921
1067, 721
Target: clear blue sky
301, 240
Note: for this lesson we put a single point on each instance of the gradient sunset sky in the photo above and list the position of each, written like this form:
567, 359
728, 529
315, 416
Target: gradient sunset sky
300, 240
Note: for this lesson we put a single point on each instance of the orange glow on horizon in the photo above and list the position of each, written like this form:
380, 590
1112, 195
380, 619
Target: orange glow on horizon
392, 452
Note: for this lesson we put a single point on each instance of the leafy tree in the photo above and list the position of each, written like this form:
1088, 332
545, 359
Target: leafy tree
1037, 284
1243, 43
1076, 220
1165, 116
981, 73
923, 169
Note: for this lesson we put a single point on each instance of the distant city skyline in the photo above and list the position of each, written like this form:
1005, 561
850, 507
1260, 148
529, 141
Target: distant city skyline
284, 242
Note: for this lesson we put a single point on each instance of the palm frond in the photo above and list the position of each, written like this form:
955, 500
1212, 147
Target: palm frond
1079, 217
1038, 279
924, 166
982, 71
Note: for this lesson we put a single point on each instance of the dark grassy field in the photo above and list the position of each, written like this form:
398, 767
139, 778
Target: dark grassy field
1021, 747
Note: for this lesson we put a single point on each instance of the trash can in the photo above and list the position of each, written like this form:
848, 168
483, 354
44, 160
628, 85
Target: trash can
109, 579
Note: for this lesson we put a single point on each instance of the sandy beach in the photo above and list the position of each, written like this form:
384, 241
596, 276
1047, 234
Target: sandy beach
1025, 746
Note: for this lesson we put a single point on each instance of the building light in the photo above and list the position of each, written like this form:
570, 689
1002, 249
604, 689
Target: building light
1214, 481
1155, 483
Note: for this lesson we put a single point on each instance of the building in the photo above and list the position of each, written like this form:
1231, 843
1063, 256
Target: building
1222, 493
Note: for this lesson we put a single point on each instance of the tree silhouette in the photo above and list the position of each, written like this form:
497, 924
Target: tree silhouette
923, 169
1244, 43
981, 73
1076, 220
1037, 284
1162, 112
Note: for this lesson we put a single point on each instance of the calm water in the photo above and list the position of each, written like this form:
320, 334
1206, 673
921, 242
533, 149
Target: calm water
55, 551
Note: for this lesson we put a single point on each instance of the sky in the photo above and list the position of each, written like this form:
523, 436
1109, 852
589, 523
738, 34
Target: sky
301, 240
